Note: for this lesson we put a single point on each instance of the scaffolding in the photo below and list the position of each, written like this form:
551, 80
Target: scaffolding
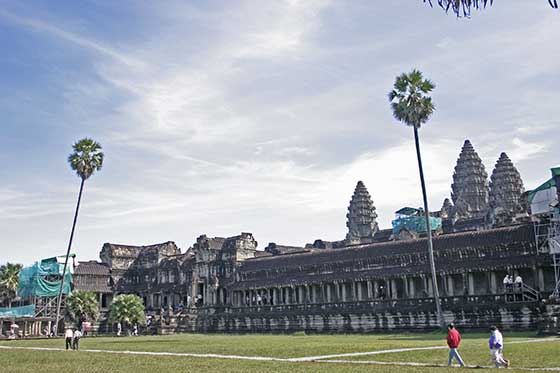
547, 240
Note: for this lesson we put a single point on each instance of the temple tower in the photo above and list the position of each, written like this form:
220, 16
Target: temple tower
470, 183
506, 189
361, 224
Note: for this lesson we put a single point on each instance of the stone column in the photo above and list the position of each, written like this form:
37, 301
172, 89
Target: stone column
411, 288
493, 283
540, 273
358, 286
449, 285
393, 283
336, 291
404, 281
343, 287
470, 283
369, 290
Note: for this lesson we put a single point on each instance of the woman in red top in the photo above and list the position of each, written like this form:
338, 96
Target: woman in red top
453, 340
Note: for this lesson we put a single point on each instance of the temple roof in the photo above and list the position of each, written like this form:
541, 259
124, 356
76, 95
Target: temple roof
359, 252
92, 267
384, 260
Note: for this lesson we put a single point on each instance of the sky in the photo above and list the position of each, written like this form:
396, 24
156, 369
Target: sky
255, 116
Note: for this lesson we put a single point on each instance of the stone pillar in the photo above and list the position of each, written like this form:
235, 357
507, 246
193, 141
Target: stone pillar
470, 283
449, 279
369, 290
393, 283
404, 281
493, 283
353, 291
344, 298
359, 291
540, 273
337, 290
411, 288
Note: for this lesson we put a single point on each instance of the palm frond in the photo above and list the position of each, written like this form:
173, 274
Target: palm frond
463, 8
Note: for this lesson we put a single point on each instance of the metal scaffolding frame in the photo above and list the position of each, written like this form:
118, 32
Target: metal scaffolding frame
547, 239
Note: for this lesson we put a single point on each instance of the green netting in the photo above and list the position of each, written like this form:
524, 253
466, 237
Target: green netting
415, 224
12, 312
42, 279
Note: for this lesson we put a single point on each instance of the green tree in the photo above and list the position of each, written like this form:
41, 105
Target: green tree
85, 159
412, 106
464, 7
9, 281
128, 309
82, 305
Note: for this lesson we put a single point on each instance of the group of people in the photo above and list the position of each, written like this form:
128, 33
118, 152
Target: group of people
495, 343
510, 284
72, 337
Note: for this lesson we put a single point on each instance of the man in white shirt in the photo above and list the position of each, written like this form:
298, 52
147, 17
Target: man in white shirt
76, 339
68, 335
496, 344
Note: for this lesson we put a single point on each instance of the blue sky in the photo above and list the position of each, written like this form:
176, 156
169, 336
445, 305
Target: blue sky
258, 116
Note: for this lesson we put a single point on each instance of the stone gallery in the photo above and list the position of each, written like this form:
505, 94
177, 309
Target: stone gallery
372, 280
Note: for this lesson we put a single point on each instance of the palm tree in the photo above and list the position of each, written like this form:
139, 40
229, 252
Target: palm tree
85, 160
9, 280
463, 7
412, 106
127, 309
82, 305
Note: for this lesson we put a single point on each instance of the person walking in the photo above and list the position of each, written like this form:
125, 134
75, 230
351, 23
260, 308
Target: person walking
496, 344
453, 341
68, 335
76, 339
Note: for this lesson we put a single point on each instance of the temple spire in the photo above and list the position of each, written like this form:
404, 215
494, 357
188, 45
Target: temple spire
361, 224
470, 183
506, 189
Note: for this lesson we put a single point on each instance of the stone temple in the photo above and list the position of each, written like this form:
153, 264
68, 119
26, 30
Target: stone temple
372, 280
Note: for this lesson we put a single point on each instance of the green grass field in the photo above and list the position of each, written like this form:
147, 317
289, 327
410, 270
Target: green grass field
473, 349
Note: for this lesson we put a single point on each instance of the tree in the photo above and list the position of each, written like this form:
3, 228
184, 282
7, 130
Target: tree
85, 160
128, 309
464, 7
82, 305
9, 281
412, 106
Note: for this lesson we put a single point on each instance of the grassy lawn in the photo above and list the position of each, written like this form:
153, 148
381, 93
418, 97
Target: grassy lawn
473, 350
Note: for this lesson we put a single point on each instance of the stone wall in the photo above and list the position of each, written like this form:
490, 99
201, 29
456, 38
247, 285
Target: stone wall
472, 313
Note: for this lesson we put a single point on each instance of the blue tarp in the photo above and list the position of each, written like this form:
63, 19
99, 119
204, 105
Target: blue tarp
42, 279
13, 312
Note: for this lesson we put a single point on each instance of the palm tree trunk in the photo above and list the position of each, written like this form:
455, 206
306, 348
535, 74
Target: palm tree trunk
59, 300
441, 321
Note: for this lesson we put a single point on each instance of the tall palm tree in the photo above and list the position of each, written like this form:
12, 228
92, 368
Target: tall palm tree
85, 159
463, 7
9, 280
412, 106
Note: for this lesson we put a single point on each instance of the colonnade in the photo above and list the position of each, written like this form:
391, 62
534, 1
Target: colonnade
401, 287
